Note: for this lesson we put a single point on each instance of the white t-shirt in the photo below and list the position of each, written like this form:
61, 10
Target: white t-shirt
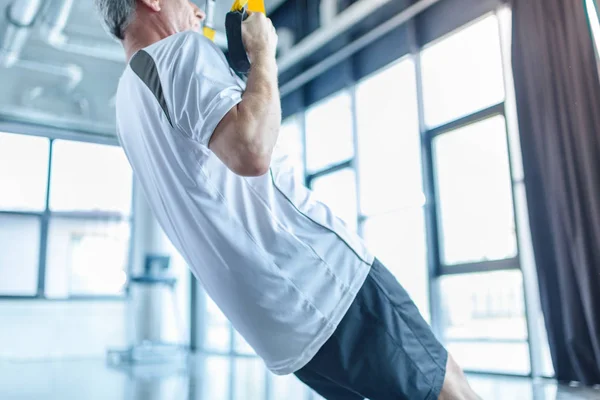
278, 263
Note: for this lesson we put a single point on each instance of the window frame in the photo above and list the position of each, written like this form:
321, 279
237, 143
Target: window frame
45, 216
437, 268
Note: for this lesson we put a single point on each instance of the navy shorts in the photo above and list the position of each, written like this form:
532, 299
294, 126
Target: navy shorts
382, 350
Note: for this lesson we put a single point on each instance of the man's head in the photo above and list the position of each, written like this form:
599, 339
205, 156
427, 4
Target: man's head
166, 15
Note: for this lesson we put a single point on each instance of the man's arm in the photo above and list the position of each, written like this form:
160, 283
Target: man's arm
244, 139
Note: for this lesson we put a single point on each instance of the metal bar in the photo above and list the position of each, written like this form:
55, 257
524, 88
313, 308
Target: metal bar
343, 21
45, 220
496, 109
22, 213
90, 215
535, 351
84, 298
232, 371
100, 298
19, 297
226, 354
132, 234
496, 374
430, 209
330, 170
69, 127
484, 266
356, 159
486, 340
355, 46
33, 129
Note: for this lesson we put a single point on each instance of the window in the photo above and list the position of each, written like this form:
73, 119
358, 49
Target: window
389, 146
23, 172
100, 174
19, 254
287, 387
475, 194
481, 292
290, 144
398, 240
250, 377
391, 182
329, 132
86, 257
462, 73
218, 328
217, 373
67, 211
484, 313
338, 191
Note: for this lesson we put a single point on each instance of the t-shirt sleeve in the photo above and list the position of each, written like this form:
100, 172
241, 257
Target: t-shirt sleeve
204, 88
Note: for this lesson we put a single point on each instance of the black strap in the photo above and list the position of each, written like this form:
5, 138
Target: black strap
238, 58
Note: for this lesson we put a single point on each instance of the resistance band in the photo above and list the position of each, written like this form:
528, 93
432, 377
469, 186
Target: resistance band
238, 58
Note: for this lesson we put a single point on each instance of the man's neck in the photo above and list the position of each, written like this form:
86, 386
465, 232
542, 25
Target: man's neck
142, 34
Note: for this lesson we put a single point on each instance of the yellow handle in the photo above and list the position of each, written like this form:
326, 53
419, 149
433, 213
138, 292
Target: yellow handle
253, 5
209, 33
257, 6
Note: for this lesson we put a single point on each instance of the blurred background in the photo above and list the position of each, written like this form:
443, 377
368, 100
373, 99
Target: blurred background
406, 117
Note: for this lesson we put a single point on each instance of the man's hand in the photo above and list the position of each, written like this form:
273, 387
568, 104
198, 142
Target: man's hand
259, 37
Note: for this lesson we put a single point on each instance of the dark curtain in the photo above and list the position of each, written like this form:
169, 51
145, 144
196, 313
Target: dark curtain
558, 100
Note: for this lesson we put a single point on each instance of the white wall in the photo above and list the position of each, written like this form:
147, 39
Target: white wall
38, 329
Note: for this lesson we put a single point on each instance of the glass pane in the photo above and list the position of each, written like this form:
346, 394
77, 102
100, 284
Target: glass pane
484, 320
338, 191
290, 144
90, 177
463, 72
250, 376
389, 147
218, 328
475, 195
398, 241
287, 387
241, 346
23, 172
216, 377
502, 357
19, 255
483, 306
329, 137
87, 257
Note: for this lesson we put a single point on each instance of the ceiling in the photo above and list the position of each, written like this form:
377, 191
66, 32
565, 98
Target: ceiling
70, 83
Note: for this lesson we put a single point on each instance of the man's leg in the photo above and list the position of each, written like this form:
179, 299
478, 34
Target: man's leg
383, 349
456, 386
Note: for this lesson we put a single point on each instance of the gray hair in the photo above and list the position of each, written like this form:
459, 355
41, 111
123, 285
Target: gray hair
117, 15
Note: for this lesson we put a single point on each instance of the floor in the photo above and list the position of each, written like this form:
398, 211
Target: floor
214, 378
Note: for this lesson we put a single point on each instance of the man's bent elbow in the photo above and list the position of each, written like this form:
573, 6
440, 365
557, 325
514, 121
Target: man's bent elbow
252, 167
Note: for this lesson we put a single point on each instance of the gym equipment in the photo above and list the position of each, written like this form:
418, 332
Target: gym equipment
238, 58
153, 314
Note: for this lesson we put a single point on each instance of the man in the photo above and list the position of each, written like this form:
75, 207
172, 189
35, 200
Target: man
300, 287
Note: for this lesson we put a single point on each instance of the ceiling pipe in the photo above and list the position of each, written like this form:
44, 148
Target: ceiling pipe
53, 23
52, 27
328, 9
73, 73
311, 73
20, 17
340, 24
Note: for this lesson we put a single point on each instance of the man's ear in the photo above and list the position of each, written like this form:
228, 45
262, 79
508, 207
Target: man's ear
154, 5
